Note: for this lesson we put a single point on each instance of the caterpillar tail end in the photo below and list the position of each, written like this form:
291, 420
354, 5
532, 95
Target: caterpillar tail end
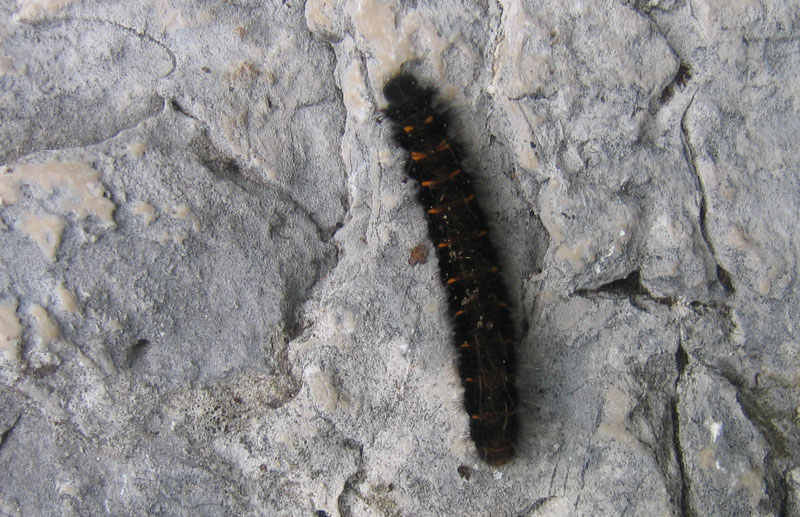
496, 444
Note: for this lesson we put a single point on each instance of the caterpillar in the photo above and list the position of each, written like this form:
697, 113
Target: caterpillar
478, 301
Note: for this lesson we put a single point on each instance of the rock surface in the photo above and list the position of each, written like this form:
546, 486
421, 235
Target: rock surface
206, 300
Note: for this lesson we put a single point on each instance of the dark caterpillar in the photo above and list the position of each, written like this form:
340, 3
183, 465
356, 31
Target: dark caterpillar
476, 293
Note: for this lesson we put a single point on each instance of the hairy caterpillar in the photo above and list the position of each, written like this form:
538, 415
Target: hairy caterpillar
477, 297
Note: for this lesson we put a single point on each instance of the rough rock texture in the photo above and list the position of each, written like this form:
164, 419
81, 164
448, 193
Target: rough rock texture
206, 301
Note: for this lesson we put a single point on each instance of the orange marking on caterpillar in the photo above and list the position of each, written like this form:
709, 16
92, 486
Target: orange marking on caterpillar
443, 145
429, 119
408, 129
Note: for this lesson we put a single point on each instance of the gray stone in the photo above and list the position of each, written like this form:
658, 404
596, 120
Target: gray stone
206, 303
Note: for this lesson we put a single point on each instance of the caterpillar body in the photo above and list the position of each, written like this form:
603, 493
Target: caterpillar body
477, 296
